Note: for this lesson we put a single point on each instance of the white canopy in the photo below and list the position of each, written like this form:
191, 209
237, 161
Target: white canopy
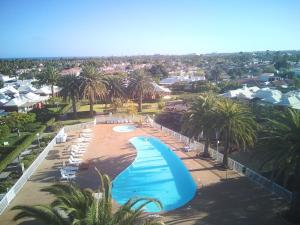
19, 101
160, 89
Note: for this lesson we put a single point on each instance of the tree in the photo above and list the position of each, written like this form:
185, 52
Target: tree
73, 205
1, 84
283, 140
199, 119
50, 77
140, 84
236, 126
215, 74
158, 71
93, 86
70, 85
115, 87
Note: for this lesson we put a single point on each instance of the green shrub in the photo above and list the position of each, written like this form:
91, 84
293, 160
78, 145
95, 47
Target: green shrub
56, 126
43, 115
4, 131
161, 105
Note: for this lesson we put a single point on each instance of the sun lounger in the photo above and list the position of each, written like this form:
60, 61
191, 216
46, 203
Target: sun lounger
65, 176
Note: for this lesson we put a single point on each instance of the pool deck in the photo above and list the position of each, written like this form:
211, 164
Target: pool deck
222, 198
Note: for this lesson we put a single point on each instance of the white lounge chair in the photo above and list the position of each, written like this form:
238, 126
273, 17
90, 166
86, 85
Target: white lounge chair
65, 176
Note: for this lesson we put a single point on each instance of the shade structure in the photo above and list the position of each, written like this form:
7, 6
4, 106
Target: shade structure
87, 130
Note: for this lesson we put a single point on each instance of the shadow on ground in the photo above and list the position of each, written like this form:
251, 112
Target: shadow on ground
230, 202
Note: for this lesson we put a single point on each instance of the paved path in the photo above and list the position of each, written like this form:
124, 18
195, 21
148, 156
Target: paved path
218, 201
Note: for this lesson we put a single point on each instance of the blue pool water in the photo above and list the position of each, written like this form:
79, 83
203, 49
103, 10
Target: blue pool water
124, 128
158, 173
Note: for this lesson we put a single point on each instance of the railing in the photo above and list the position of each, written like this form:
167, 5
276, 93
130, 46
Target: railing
234, 165
9, 196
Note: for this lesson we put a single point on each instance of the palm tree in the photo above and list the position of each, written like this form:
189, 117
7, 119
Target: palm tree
115, 87
50, 77
197, 118
76, 206
70, 90
140, 84
236, 126
283, 140
92, 85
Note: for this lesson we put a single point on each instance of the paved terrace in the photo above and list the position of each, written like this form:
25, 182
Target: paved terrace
223, 198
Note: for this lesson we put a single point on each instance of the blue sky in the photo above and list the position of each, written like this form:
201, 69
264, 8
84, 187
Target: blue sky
48, 28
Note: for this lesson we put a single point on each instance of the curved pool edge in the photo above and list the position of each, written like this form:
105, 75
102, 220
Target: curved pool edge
178, 157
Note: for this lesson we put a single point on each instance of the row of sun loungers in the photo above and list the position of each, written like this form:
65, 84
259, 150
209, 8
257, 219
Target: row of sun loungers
77, 150
112, 121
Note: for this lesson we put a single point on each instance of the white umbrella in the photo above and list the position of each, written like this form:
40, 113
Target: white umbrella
87, 130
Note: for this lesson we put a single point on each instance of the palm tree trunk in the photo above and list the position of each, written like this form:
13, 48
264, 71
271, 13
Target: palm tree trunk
140, 103
294, 211
52, 90
74, 106
226, 151
206, 147
91, 105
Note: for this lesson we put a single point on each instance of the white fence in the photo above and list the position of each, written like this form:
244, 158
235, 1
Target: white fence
234, 165
9, 196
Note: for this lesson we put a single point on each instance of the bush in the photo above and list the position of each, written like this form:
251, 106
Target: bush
4, 131
56, 126
19, 120
161, 105
31, 127
43, 115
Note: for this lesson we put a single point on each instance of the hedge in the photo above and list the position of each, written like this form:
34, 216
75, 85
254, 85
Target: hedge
26, 143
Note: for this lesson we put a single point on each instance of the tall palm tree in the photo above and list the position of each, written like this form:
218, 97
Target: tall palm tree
140, 84
93, 86
236, 126
50, 77
115, 87
197, 118
76, 206
283, 139
70, 90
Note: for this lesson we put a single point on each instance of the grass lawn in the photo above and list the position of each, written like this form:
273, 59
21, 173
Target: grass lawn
148, 108
72, 122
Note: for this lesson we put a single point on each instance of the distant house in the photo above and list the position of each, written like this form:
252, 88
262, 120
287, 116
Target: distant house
71, 71
175, 79
5, 79
268, 77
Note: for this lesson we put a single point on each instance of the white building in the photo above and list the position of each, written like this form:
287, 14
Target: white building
175, 79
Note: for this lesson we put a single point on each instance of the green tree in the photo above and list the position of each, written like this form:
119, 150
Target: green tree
1, 84
92, 86
140, 85
236, 126
49, 76
198, 120
70, 90
283, 140
115, 87
76, 206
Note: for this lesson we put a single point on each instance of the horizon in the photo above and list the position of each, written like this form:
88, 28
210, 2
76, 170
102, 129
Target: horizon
91, 29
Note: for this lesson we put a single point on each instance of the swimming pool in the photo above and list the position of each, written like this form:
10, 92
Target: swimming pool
158, 173
124, 128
